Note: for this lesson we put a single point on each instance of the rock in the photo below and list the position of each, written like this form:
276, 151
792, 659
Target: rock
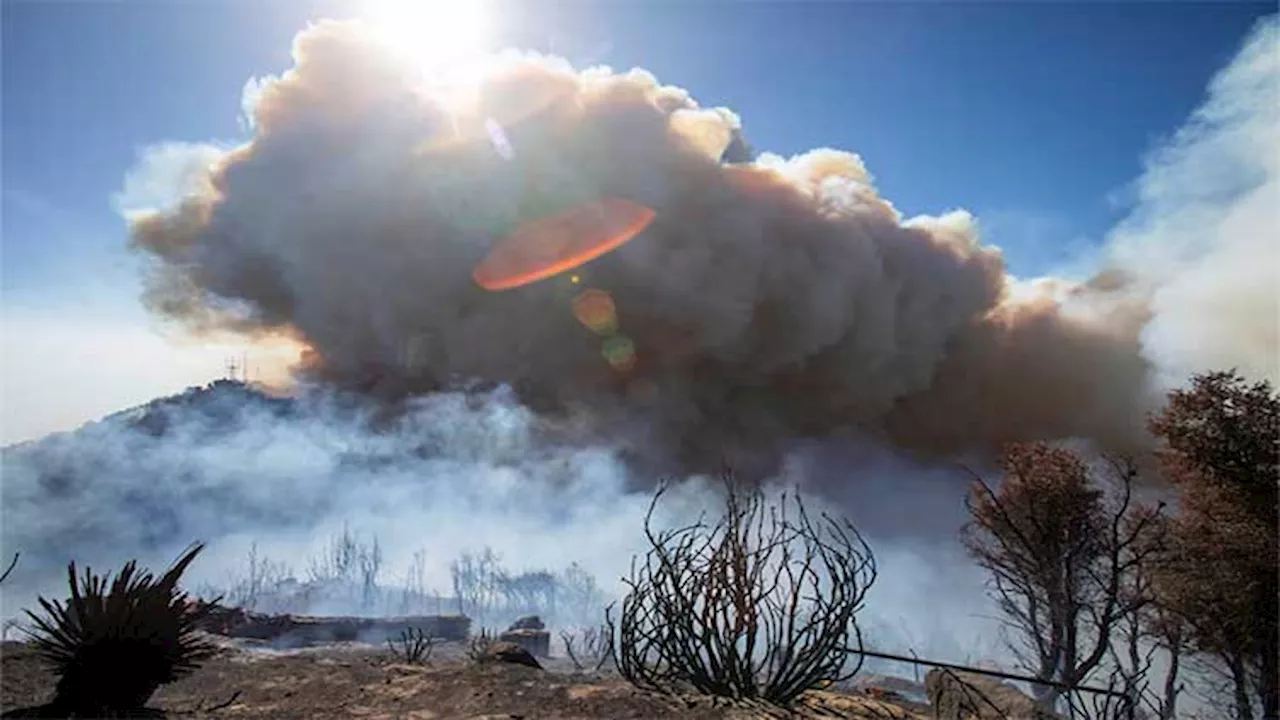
528, 622
537, 642
909, 689
958, 695
882, 694
509, 652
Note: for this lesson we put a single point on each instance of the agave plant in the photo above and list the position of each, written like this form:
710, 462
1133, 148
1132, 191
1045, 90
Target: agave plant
116, 641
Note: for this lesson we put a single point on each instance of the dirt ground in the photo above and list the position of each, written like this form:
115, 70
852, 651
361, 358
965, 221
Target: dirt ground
362, 681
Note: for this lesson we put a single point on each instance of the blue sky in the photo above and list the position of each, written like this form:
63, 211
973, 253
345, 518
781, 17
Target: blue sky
1036, 117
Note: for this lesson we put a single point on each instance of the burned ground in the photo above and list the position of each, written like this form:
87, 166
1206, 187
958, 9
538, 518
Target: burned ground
351, 680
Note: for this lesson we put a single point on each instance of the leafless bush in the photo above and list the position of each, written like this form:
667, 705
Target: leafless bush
761, 604
349, 561
588, 648
579, 595
476, 581
413, 596
262, 576
370, 565
479, 646
529, 592
490, 592
414, 646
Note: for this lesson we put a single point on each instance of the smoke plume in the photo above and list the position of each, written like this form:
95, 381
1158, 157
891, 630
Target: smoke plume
1204, 239
779, 309
770, 298
451, 473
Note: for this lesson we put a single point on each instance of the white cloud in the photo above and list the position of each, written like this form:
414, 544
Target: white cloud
166, 173
249, 96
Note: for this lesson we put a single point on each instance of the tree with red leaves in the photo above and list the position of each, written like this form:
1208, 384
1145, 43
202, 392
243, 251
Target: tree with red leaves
1222, 452
1062, 543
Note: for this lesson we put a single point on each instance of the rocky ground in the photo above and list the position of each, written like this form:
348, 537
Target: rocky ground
250, 680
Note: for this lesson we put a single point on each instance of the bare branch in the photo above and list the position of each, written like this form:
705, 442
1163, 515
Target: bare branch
1062, 550
595, 650
12, 564
414, 646
760, 603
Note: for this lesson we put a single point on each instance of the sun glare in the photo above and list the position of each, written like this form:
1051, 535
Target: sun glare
448, 40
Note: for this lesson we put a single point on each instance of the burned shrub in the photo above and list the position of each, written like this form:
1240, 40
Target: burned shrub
589, 649
478, 647
414, 646
761, 604
116, 641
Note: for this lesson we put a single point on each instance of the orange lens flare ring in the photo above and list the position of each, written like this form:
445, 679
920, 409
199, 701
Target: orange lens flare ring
548, 246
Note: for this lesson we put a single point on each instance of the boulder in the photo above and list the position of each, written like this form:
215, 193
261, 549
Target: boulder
508, 652
872, 683
537, 642
957, 695
528, 622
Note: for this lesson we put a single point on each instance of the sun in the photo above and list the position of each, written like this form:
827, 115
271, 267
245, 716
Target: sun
448, 41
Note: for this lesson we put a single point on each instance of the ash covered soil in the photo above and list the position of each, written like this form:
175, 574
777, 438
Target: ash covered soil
364, 681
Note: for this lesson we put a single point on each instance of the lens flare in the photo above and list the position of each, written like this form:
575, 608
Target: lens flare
620, 352
548, 246
596, 311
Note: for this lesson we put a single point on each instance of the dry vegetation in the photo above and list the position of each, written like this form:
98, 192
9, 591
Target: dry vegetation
761, 603
116, 641
1117, 609
1096, 587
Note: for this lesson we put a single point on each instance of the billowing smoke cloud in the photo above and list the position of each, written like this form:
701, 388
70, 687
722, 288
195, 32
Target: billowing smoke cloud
772, 299
769, 299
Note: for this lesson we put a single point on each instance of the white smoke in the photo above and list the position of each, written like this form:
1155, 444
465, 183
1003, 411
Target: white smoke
455, 473
1204, 237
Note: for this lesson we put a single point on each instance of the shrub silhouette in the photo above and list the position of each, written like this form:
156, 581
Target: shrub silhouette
760, 604
116, 641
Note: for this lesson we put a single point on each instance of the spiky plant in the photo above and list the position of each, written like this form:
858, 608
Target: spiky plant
116, 641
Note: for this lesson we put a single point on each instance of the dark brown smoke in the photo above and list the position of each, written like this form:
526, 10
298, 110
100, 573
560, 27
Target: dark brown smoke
769, 300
